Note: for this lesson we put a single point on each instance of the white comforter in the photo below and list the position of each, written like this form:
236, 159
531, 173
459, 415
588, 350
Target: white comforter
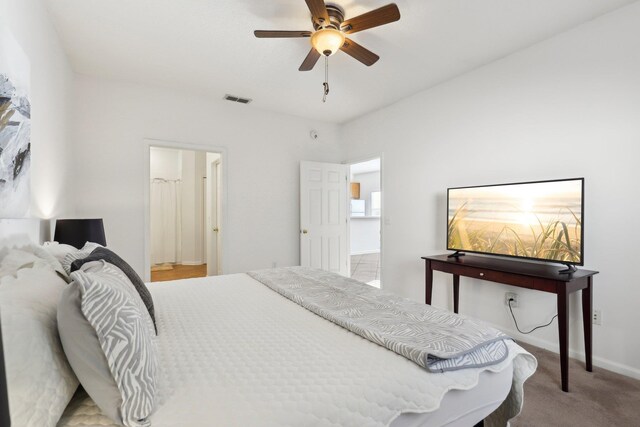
235, 353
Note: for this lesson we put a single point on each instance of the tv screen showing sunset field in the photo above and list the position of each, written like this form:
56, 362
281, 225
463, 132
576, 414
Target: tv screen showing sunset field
539, 220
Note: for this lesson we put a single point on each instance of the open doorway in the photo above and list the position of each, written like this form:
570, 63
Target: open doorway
184, 213
364, 224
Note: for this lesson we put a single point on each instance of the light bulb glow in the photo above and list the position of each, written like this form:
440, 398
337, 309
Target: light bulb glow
327, 41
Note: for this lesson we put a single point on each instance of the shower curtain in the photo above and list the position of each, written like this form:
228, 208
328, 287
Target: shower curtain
166, 221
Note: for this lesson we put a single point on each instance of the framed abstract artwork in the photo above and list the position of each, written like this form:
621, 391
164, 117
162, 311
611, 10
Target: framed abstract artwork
15, 128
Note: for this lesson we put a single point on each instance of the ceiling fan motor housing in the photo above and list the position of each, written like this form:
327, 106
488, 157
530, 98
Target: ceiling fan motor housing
336, 17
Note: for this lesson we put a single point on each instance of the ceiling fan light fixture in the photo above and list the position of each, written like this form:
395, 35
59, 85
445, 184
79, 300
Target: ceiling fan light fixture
327, 41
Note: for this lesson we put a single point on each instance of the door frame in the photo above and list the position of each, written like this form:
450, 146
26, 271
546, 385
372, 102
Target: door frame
222, 221
353, 161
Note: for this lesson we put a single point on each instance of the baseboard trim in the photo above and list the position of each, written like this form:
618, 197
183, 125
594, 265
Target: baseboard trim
599, 362
366, 252
191, 262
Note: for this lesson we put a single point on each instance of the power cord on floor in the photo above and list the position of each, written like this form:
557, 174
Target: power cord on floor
516, 322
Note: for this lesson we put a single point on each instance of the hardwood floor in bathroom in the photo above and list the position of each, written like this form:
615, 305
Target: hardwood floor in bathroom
179, 271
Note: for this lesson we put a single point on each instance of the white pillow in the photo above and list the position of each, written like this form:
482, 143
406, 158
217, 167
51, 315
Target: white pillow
40, 380
108, 336
59, 250
26, 256
15, 259
15, 241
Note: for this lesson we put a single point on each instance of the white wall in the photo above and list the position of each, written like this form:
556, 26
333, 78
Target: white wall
369, 182
263, 151
365, 232
51, 94
364, 235
165, 163
567, 107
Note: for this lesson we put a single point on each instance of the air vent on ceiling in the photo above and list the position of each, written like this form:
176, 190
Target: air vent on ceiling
237, 99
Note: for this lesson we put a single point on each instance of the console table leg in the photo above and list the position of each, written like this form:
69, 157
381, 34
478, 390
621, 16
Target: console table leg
587, 315
428, 282
563, 317
456, 292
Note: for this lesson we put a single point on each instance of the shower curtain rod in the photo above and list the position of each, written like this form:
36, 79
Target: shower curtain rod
166, 180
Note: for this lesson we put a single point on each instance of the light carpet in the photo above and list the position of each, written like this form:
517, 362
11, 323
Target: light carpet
595, 399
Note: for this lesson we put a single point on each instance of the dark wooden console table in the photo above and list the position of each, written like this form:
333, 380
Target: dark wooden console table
527, 275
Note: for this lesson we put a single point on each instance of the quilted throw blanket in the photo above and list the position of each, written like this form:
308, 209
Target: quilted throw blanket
435, 339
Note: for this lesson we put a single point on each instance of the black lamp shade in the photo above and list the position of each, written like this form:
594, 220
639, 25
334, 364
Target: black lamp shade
77, 232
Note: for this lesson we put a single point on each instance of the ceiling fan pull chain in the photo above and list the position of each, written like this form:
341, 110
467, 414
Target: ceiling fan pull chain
326, 79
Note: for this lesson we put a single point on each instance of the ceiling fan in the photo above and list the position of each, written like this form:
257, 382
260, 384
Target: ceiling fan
330, 29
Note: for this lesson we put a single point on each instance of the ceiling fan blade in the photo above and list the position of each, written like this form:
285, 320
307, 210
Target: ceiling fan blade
280, 34
318, 11
375, 18
310, 61
358, 52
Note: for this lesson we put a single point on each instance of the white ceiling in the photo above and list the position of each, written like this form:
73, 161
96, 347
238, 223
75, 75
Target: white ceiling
208, 46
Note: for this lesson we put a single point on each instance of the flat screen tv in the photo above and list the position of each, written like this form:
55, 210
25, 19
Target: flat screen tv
540, 220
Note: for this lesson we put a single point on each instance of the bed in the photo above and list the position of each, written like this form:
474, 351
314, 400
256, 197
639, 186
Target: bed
232, 351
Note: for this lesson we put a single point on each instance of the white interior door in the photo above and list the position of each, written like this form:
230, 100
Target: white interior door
213, 223
323, 216
218, 208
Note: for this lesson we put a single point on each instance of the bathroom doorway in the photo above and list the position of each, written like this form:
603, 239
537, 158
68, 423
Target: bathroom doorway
184, 213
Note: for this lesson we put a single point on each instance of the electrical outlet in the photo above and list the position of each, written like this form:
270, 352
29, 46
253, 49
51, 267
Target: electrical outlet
513, 296
597, 317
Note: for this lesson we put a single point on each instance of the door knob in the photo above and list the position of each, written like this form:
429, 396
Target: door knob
304, 231
216, 229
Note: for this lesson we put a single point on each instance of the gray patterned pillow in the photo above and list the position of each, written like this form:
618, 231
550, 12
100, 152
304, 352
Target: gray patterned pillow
109, 256
108, 337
